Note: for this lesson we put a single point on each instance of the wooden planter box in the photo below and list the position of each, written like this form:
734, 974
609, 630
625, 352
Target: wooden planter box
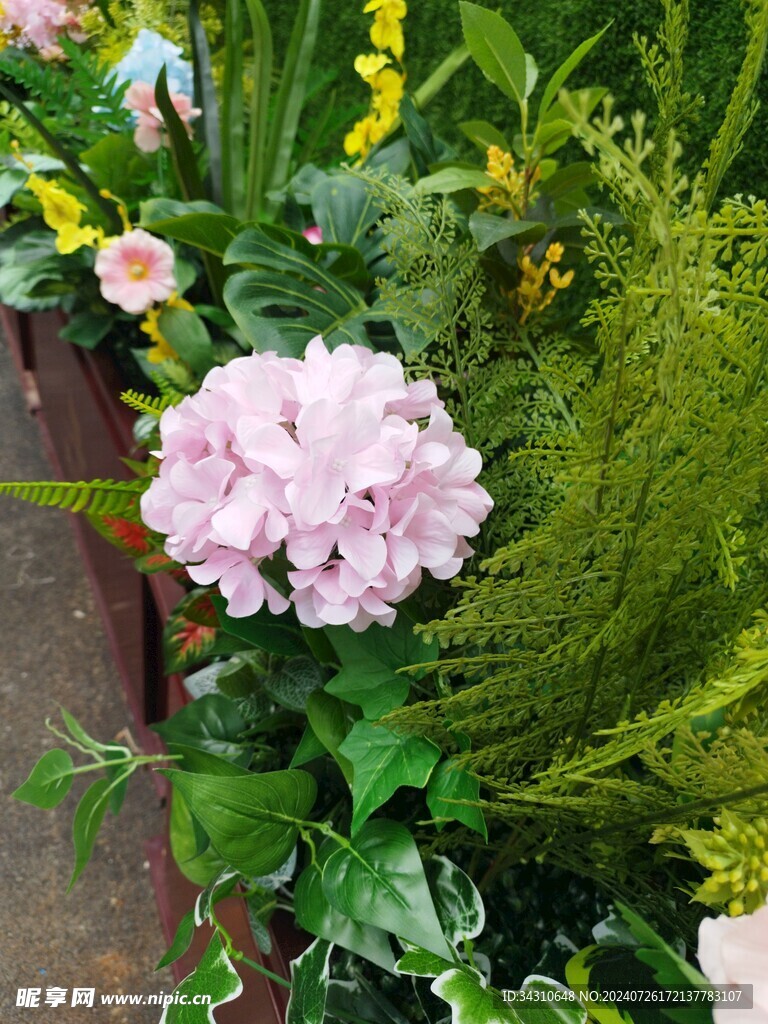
74, 395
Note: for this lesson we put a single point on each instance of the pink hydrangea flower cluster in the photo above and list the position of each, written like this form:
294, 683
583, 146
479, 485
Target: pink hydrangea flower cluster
39, 23
149, 136
321, 457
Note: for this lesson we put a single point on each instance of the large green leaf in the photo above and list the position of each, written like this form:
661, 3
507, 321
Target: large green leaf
310, 974
277, 634
383, 761
448, 785
199, 866
184, 159
369, 664
233, 119
286, 299
211, 722
49, 781
569, 64
378, 879
452, 179
458, 902
316, 915
252, 821
488, 228
496, 50
470, 1001
208, 230
188, 336
214, 977
485, 135
331, 720
346, 210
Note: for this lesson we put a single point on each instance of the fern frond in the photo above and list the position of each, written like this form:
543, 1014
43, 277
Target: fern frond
103, 497
145, 404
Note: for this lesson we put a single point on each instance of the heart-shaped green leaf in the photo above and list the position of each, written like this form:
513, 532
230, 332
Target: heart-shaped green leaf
48, 782
252, 820
379, 879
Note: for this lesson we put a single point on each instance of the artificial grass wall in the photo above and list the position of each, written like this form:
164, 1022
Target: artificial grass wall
550, 29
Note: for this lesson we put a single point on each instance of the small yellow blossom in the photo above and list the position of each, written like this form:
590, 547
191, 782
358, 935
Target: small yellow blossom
161, 349
386, 31
510, 189
538, 285
369, 64
59, 207
70, 237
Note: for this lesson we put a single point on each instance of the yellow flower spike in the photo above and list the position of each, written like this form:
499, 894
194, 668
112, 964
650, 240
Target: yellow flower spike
369, 64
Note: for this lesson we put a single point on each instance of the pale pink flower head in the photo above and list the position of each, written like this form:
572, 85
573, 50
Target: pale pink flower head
322, 458
313, 234
136, 271
149, 135
38, 23
734, 951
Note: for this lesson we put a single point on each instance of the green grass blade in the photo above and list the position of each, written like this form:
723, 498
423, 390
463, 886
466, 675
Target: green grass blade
233, 112
262, 79
291, 94
205, 97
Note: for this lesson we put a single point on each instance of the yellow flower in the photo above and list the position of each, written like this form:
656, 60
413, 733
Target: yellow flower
369, 64
387, 34
161, 350
558, 281
389, 86
59, 207
554, 252
71, 237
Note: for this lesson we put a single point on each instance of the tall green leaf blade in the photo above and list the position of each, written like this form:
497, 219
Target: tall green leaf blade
214, 977
383, 761
261, 76
291, 95
496, 49
570, 64
233, 112
310, 974
184, 160
253, 820
379, 880
206, 99
49, 781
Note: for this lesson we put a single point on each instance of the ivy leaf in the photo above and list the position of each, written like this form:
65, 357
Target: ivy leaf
215, 977
379, 880
458, 903
211, 722
49, 781
369, 664
181, 941
470, 1001
448, 784
316, 915
252, 820
86, 824
331, 721
384, 760
422, 964
310, 974
558, 1004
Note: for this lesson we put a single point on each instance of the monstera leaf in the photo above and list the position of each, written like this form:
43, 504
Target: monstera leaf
285, 298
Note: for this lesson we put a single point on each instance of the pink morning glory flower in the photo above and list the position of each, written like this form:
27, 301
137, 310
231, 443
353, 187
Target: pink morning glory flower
322, 459
136, 271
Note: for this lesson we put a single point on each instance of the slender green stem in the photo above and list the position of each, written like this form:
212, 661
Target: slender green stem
136, 761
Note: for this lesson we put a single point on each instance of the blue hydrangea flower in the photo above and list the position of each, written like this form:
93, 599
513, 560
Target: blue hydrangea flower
146, 57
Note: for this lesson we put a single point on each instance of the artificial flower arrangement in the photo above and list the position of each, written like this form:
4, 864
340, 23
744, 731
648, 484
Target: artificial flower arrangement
594, 728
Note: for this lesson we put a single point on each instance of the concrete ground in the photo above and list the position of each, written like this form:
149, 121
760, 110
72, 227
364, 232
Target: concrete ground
106, 934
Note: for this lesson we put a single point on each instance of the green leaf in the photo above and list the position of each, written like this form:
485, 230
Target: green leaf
669, 967
308, 749
287, 299
86, 824
181, 941
233, 119
316, 915
557, 1006
187, 641
199, 865
346, 211
566, 179
87, 329
261, 77
310, 974
203, 762
379, 880
293, 684
496, 49
487, 229
569, 64
48, 782
188, 336
370, 661
184, 160
115, 164
450, 783
252, 820
452, 179
211, 232
241, 675
219, 887
331, 721
470, 1001
207, 125
211, 723
77, 732
458, 903
215, 977
422, 964
484, 135
383, 761
276, 634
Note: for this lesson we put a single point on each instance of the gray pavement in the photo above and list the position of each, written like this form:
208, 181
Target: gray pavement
106, 933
